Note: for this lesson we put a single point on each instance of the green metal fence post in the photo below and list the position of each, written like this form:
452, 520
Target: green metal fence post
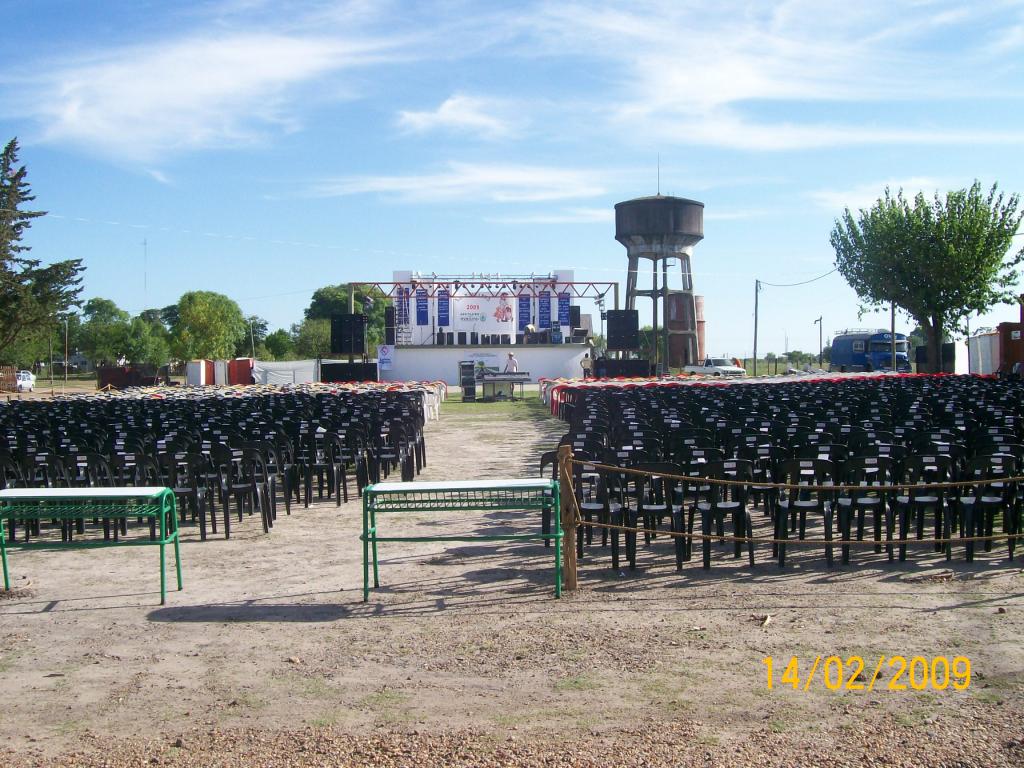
366, 547
3, 557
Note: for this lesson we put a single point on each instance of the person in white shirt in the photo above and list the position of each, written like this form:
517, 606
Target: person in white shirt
511, 366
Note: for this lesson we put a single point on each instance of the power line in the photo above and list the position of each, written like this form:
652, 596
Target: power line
805, 282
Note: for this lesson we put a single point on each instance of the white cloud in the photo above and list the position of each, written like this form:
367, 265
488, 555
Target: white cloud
158, 175
461, 113
470, 182
864, 195
743, 75
145, 101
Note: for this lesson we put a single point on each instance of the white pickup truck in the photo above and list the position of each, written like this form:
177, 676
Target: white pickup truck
716, 366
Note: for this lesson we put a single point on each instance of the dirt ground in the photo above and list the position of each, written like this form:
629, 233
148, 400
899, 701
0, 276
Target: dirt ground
463, 657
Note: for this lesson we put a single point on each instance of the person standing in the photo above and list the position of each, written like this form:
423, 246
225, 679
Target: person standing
511, 366
587, 365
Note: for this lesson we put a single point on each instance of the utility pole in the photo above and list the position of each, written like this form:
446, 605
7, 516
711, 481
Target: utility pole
892, 335
252, 338
757, 290
65, 353
818, 321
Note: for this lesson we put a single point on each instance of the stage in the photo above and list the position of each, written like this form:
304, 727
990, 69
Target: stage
441, 363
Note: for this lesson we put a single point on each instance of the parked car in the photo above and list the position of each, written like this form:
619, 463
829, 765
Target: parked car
26, 381
717, 366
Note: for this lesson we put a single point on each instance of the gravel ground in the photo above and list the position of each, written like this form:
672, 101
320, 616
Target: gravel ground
270, 658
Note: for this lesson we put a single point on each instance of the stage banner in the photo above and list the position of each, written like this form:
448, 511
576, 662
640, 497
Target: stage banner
443, 308
483, 314
402, 307
422, 308
524, 311
544, 310
563, 310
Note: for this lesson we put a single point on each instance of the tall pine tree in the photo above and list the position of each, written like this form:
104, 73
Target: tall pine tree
31, 294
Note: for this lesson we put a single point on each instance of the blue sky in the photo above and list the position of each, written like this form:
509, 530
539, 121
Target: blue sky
265, 149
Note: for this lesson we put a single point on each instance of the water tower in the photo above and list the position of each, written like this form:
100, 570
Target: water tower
661, 229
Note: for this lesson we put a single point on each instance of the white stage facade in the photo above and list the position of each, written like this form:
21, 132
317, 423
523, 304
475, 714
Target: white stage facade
440, 321
442, 363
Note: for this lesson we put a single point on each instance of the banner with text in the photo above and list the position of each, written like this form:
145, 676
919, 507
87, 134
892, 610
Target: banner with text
443, 308
563, 310
422, 307
544, 310
524, 311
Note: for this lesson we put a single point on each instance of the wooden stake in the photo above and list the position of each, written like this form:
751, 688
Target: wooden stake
567, 504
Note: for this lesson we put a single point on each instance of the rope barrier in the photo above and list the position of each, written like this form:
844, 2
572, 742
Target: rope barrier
802, 542
760, 485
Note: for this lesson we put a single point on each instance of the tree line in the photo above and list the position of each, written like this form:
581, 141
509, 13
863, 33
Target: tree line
201, 325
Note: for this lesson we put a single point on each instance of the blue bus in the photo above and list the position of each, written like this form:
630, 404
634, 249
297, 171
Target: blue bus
868, 350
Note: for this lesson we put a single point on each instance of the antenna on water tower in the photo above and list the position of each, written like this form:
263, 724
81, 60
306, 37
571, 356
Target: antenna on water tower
659, 173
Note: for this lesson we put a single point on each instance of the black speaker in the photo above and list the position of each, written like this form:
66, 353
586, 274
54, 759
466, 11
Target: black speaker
450, 341
520, 338
485, 338
506, 338
440, 338
474, 337
623, 329
574, 316
348, 334
343, 372
462, 338
389, 325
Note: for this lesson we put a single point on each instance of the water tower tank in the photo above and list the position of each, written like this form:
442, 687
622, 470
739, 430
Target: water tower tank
661, 228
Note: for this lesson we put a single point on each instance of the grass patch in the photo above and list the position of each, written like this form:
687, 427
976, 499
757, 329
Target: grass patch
988, 697
384, 699
776, 726
577, 683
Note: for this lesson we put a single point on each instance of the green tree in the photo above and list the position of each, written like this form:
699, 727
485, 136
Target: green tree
255, 334
938, 261
31, 295
333, 300
147, 342
280, 344
105, 331
208, 326
313, 338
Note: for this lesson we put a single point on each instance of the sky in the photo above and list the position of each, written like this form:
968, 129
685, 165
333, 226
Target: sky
265, 149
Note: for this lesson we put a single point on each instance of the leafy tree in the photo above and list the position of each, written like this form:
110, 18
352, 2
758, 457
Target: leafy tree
313, 338
147, 342
938, 261
208, 325
31, 295
333, 300
255, 334
105, 331
280, 344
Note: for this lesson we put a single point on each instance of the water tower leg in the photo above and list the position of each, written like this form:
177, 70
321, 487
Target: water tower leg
634, 265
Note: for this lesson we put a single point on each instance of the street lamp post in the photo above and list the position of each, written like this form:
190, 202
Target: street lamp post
820, 363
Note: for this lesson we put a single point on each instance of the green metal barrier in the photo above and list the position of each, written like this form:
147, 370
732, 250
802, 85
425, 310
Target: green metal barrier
113, 504
467, 495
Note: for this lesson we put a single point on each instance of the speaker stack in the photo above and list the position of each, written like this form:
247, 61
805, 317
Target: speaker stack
624, 329
348, 334
389, 325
